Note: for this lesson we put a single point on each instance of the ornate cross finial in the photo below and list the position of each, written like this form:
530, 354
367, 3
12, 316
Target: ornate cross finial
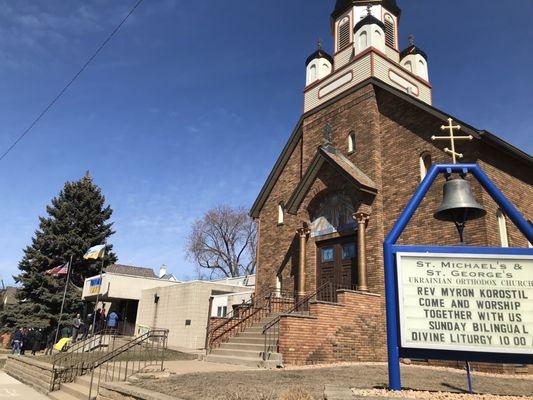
369, 9
452, 139
319, 44
327, 133
411, 39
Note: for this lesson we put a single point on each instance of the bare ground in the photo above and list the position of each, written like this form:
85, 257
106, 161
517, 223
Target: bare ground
253, 385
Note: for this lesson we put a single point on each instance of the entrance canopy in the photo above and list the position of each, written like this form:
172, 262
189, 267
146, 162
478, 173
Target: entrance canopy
328, 154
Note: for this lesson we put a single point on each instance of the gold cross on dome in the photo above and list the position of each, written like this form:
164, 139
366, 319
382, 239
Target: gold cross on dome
452, 138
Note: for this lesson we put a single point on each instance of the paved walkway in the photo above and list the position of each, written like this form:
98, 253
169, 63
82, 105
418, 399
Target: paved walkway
12, 389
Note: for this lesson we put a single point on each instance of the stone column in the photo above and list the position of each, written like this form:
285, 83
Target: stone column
361, 219
302, 232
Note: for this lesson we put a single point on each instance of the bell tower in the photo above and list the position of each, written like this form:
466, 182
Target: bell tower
366, 44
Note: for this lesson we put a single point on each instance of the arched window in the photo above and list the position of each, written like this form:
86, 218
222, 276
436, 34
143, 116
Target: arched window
312, 73
281, 214
425, 164
334, 213
343, 38
502, 227
351, 142
409, 66
390, 34
363, 41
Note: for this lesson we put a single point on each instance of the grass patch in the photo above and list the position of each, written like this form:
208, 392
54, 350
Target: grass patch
309, 383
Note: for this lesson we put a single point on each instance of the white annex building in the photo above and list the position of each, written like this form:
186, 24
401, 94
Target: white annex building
144, 300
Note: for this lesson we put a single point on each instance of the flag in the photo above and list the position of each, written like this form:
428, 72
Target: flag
61, 270
95, 252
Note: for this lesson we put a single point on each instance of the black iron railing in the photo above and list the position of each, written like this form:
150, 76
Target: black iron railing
96, 351
327, 292
75, 359
146, 350
259, 306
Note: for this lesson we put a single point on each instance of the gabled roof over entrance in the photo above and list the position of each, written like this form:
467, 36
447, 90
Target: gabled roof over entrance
330, 155
482, 135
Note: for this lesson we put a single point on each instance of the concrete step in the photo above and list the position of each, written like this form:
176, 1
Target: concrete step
78, 391
242, 346
30, 377
249, 340
251, 334
243, 354
60, 395
249, 362
26, 370
85, 380
258, 329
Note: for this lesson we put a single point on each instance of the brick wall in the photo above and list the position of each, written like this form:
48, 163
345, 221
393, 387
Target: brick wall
351, 330
391, 135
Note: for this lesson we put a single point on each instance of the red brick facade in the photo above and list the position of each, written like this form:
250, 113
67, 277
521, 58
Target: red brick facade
348, 330
391, 134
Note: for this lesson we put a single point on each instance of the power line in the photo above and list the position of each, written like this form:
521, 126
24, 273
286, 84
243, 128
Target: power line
65, 88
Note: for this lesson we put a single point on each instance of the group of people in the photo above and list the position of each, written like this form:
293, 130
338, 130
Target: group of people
29, 339
82, 327
26, 339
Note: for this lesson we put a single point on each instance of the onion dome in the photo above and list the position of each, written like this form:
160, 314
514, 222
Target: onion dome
318, 54
369, 20
342, 5
413, 50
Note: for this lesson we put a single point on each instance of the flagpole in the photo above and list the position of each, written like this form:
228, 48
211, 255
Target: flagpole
64, 297
99, 290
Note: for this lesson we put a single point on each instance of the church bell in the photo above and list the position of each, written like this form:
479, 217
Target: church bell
458, 203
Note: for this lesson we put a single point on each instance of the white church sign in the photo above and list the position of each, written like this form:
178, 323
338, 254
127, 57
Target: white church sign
466, 302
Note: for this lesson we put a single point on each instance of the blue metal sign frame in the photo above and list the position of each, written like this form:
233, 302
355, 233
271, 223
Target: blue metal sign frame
395, 351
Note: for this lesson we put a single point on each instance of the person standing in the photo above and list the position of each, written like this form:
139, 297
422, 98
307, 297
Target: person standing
24, 342
87, 326
17, 342
76, 324
50, 341
37, 338
103, 318
112, 322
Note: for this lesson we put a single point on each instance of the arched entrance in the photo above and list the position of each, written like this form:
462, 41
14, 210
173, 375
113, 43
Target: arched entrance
334, 231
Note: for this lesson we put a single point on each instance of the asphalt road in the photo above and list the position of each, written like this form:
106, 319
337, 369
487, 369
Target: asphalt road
12, 389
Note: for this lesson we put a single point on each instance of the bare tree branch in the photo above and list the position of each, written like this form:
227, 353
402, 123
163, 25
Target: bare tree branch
223, 242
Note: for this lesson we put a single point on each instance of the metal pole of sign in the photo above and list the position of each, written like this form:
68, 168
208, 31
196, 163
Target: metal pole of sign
469, 378
64, 298
393, 334
99, 290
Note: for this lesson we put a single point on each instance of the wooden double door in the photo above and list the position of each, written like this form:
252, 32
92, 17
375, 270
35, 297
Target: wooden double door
337, 264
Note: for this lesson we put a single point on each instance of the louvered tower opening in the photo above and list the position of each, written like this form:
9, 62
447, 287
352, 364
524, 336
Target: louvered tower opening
344, 34
389, 33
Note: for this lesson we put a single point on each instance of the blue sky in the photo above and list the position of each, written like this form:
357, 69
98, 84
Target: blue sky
190, 104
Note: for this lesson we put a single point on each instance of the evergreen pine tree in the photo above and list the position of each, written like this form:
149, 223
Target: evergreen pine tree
77, 220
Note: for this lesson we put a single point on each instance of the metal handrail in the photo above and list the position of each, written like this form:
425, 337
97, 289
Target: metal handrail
301, 305
253, 303
234, 313
258, 305
66, 366
161, 336
80, 345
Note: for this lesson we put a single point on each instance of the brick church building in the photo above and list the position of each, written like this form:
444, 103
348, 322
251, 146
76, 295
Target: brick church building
351, 164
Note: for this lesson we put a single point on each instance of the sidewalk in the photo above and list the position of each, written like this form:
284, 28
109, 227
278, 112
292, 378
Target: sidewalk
13, 389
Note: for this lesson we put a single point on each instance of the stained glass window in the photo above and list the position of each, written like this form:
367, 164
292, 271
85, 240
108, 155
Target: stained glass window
327, 254
348, 251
